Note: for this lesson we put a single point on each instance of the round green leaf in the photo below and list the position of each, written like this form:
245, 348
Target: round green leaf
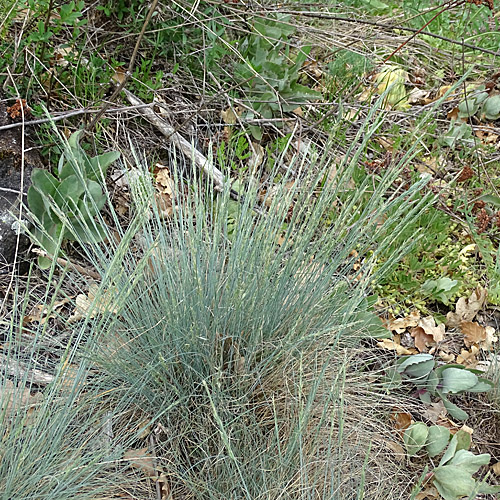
44, 182
68, 193
491, 107
437, 440
453, 483
456, 380
415, 438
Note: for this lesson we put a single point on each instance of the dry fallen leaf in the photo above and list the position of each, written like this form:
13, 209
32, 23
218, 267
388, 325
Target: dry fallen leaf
401, 324
400, 420
399, 451
480, 336
430, 493
392, 346
257, 155
496, 469
446, 356
418, 96
141, 459
467, 309
102, 303
435, 411
491, 338
467, 429
421, 338
164, 182
427, 333
473, 333
229, 116
468, 358
428, 324
41, 314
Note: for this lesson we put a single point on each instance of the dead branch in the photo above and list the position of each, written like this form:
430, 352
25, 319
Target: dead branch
175, 138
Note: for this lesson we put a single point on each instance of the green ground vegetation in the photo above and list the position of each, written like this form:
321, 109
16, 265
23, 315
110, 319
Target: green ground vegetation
224, 323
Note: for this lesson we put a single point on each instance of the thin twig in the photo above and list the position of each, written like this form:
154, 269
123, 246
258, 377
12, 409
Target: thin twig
447, 6
69, 114
18, 369
66, 263
175, 138
128, 73
321, 15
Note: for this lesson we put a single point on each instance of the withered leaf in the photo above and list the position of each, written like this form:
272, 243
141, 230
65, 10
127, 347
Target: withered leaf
467, 309
473, 332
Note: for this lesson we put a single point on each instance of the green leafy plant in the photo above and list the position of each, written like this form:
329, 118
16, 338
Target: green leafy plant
433, 271
453, 476
346, 68
440, 382
433, 440
69, 14
65, 204
270, 76
442, 289
479, 102
458, 133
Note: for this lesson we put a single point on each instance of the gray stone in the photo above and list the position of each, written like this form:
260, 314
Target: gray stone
13, 176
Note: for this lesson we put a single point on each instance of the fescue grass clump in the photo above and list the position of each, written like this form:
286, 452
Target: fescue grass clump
227, 327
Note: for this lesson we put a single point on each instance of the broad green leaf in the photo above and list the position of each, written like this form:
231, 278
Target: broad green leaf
454, 410
300, 93
453, 482
492, 199
432, 382
391, 379
464, 440
378, 6
413, 359
87, 232
44, 182
457, 132
74, 140
416, 366
391, 82
441, 289
437, 440
101, 163
468, 462
425, 397
470, 106
455, 380
301, 58
94, 194
415, 438
35, 201
483, 385
450, 451
488, 489
43, 262
256, 132
70, 168
68, 193
491, 108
